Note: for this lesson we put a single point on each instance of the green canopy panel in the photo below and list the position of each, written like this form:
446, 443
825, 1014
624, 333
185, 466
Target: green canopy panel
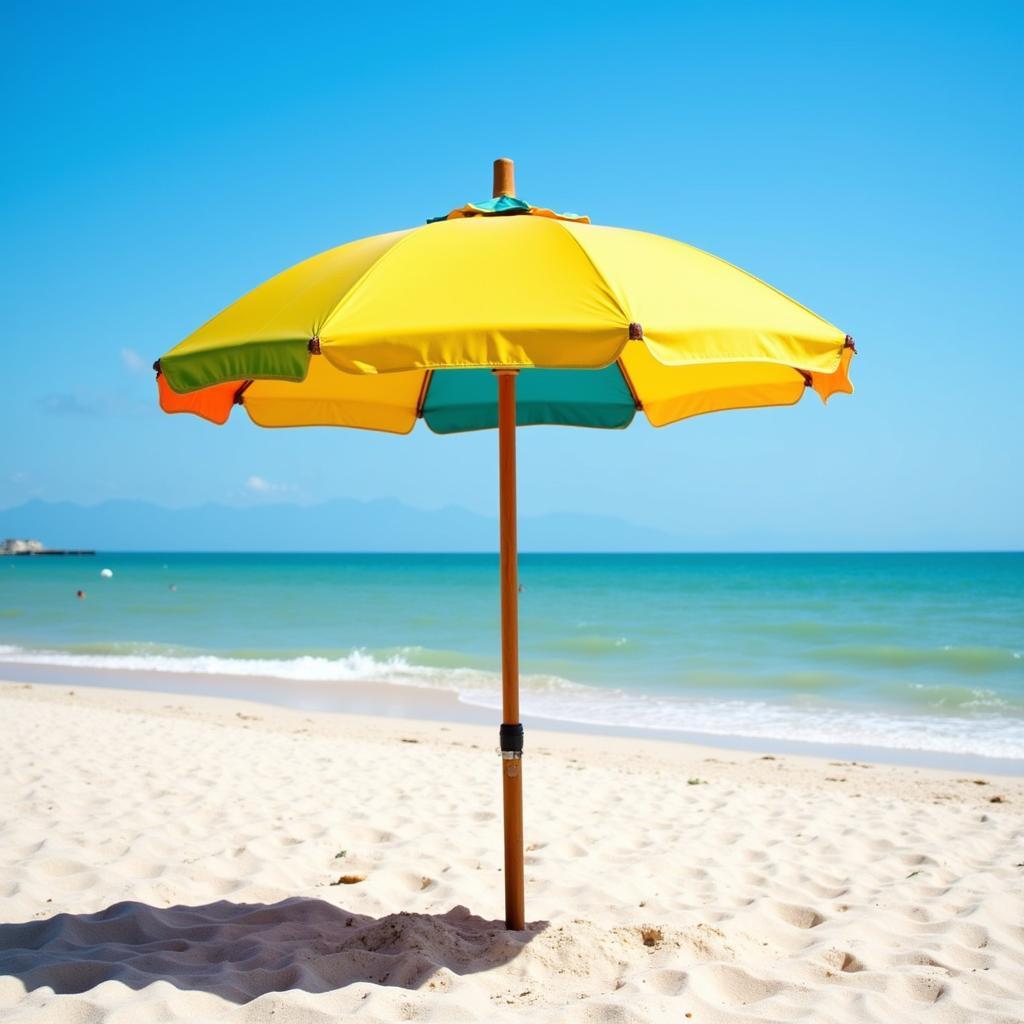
462, 400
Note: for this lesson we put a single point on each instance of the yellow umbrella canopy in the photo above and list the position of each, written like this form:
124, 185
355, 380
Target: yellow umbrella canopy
582, 326
656, 324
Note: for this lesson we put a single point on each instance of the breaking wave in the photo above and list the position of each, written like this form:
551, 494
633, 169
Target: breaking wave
951, 719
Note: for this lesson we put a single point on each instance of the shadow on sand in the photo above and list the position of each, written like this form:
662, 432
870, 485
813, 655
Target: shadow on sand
241, 951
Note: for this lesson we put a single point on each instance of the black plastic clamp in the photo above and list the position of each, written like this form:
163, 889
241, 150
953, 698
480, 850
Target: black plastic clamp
511, 738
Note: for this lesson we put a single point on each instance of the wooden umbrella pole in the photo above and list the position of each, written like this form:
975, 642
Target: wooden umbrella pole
511, 728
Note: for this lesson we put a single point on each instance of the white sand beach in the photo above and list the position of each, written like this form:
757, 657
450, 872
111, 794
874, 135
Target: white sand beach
176, 858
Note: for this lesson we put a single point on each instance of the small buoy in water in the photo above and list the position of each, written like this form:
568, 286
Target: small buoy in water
80, 594
106, 573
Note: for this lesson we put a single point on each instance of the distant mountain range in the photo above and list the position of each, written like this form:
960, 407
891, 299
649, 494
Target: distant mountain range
339, 525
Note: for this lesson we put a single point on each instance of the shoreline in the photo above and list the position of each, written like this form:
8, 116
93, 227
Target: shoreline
391, 726
398, 701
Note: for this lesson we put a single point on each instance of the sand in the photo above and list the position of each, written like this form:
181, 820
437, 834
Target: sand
170, 858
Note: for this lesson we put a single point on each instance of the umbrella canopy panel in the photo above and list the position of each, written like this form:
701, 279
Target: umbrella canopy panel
457, 402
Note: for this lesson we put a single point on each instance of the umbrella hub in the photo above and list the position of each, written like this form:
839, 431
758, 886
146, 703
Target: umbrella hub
507, 206
504, 202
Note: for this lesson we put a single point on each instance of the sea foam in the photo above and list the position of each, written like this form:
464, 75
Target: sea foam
981, 733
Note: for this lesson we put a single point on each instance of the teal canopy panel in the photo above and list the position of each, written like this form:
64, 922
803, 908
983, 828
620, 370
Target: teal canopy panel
462, 400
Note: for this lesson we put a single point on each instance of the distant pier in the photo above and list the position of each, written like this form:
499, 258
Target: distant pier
15, 546
45, 551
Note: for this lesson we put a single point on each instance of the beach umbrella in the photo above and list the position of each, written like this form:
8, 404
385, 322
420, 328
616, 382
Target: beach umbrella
504, 314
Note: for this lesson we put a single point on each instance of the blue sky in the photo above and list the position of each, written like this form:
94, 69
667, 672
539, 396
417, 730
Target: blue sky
867, 159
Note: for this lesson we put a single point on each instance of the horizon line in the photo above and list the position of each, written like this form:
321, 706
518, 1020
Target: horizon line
527, 551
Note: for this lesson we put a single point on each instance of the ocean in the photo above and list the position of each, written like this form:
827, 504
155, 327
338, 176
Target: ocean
913, 652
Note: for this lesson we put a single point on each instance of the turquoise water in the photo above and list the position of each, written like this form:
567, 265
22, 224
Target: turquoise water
922, 651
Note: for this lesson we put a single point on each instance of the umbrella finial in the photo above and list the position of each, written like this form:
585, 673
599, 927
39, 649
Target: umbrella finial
504, 177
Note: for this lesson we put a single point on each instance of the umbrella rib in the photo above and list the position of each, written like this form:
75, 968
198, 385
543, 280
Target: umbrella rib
360, 282
422, 398
629, 384
564, 225
761, 281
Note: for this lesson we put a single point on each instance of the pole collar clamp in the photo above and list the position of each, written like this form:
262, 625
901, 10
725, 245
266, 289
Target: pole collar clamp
511, 739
